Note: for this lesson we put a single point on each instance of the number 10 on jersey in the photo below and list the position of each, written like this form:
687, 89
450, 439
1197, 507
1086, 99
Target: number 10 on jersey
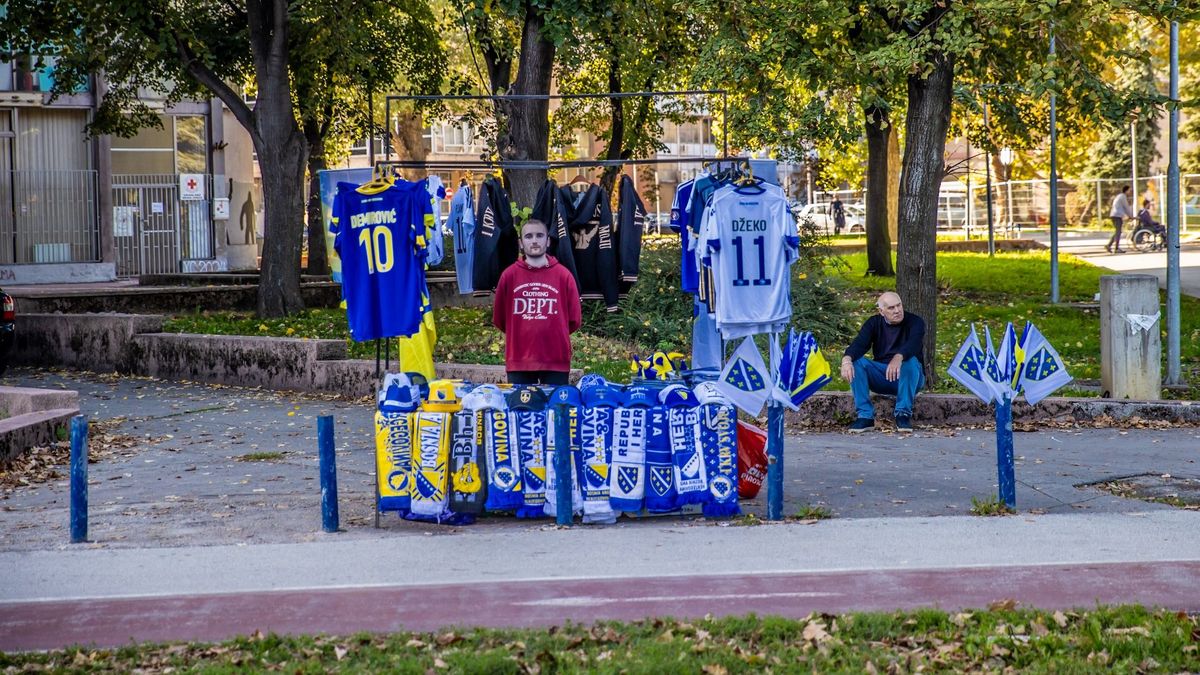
378, 242
759, 243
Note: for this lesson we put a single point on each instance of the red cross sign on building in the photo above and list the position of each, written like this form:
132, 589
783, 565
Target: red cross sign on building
191, 187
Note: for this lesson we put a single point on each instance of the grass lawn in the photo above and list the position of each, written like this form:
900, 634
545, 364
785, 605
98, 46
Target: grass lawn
1123, 639
1012, 286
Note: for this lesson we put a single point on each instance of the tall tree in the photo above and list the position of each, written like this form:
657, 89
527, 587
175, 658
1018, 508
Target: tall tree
525, 34
624, 46
208, 47
354, 50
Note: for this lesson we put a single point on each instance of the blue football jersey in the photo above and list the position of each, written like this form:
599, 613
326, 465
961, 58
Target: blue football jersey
680, 223
379, 237
751, 240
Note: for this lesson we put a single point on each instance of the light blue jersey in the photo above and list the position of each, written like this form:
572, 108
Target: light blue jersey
751, 240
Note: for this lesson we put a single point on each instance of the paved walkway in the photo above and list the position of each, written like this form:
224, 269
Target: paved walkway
182, 523
1089, 244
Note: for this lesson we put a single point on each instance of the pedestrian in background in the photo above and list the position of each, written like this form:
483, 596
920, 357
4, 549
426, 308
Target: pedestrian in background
839, 215
1121, 209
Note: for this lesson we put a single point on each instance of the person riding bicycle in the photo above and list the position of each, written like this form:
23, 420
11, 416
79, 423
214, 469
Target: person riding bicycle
1147, 221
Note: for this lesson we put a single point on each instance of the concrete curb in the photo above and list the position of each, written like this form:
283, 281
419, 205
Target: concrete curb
825, 409
22, 432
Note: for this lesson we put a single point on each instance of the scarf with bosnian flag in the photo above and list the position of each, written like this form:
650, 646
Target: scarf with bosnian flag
503, 460
718, 442
430, 461
573, 449
660, 471
393, 452
529, 430
627, 482
691, 480
594, 430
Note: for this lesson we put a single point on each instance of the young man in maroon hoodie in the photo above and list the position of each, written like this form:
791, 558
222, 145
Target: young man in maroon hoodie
537, 308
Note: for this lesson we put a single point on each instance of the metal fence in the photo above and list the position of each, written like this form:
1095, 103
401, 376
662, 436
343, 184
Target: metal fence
1019, 204
153, 230
48, 217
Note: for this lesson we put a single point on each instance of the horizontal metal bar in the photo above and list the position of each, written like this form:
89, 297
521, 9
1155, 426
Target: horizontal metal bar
548, 164
547, 97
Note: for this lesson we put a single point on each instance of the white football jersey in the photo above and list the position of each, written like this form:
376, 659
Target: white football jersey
751, 240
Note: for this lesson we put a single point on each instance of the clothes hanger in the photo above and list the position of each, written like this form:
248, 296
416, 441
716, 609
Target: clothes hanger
580, 183
380, 178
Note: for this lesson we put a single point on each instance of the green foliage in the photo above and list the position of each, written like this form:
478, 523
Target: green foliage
810, 512
990, 506
1003, 639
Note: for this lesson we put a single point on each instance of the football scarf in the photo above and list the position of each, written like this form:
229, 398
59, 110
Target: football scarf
594, 430
718, 442
551, 473
468, 489
627, 480
691, 481
430, 464
503, 462
529, 429
393, 450
660, 472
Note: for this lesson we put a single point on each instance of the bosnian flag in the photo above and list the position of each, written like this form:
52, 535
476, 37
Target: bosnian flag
745, 380
1043, 370
969, 368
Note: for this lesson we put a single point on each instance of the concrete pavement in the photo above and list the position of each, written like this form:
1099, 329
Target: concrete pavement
1089, 244
203, 494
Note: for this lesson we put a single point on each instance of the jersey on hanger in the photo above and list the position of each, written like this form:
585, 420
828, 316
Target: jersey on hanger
378, 234
752, 242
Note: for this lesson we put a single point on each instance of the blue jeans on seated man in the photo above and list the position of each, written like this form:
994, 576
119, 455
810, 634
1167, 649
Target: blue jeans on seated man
871, 376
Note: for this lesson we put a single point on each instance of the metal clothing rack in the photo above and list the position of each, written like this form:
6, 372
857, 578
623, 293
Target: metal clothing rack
557, 97
775, 410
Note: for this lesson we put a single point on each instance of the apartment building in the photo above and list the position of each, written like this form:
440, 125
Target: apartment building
75, 208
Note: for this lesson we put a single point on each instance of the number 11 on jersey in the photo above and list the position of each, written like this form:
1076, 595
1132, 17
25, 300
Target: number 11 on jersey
741, 280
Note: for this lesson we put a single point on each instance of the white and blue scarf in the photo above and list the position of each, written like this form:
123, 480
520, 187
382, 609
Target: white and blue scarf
594, 430
430, 466
627, 481
691, 481
718, 441
529, 432
551, 507
504, 462
660, 470
393, 453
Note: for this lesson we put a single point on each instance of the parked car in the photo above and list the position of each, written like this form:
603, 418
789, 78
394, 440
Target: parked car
821, 217
8, 322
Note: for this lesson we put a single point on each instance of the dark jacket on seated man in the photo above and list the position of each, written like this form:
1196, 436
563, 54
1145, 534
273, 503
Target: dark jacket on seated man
905, 338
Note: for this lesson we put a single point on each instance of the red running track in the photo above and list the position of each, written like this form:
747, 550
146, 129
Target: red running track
117, 621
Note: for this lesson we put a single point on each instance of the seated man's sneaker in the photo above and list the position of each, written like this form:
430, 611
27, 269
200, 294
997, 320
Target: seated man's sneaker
860, 425
904, 423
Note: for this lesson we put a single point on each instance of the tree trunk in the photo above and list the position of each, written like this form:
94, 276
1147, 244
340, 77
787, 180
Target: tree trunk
893, 183
282, 153
281, 158
879, 241
318, 258
928, 119
526, 127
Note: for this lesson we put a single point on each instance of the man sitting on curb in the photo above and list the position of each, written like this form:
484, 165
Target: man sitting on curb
898, 368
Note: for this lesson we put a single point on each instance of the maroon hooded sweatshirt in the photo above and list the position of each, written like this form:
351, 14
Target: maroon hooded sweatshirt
537, 309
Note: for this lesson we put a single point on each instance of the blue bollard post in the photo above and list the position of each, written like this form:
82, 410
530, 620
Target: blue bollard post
79, 479
329, 496
562, 465
1004, 453
774, 461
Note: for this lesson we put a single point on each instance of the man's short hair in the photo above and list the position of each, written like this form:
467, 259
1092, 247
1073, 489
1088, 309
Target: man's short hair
1124, 188
535, 221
